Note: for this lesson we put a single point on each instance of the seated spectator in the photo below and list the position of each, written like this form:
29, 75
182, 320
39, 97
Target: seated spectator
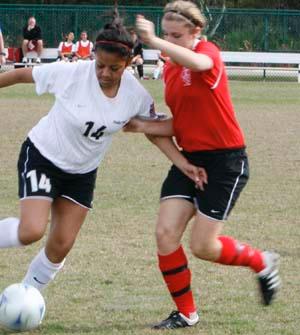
138, 59
83, 48
66, 48
32, 35
2, 53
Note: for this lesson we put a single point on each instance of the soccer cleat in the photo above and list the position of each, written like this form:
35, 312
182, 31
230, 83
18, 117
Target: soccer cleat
38, 60
24, 60
268, 278
177, 320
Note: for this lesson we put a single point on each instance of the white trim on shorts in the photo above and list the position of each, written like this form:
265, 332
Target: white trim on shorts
232, 192
209, 217
40, 197
24, 172
76, 202
176, 196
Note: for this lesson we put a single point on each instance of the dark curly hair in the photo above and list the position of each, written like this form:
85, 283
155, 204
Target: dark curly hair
114, 37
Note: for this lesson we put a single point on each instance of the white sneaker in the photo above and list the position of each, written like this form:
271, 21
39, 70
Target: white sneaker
268, 278
38, 60
24, 60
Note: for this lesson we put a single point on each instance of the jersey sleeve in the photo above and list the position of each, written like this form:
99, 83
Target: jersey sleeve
213, 75
51, 78
147, 107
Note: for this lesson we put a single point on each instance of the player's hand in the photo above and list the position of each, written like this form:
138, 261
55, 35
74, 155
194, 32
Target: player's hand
145, 29
196, 173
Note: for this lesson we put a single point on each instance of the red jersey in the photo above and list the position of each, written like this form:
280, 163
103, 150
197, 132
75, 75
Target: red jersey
203, 114
65, 48
84, 51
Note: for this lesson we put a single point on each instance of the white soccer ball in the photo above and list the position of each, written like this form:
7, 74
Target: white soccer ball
22, 307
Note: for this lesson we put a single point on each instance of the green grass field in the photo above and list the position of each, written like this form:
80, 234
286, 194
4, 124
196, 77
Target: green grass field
111, 283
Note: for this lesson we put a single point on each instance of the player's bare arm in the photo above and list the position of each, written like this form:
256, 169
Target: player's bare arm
17, 76
155, 127
178, 54
167, 146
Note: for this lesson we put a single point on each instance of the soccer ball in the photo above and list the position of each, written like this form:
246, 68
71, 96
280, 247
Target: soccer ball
22, 307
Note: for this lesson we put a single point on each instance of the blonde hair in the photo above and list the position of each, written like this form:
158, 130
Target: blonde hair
184, 11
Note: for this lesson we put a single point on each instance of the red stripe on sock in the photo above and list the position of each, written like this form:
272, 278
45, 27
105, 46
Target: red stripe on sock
178, 281
173, 260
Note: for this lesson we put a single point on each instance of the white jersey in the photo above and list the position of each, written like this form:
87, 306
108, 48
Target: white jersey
77, 131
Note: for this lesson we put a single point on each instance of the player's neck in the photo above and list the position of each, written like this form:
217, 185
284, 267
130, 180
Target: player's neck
110, 92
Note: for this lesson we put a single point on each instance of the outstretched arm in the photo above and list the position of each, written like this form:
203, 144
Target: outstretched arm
155, 127
167, 146
16, 77
178, 54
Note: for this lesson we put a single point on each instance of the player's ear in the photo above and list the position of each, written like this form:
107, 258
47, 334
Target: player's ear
196, 31
129, 60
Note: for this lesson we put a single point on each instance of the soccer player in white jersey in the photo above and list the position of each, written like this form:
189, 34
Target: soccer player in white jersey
58, 161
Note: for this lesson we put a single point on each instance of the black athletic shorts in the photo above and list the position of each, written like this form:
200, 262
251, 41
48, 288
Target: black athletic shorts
228, 173
40, 178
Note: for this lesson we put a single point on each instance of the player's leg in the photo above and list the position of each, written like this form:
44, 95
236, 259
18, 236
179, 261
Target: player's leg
226, 182
39, 49
176, 209
31, 226
36, 191
207, 244
67, 219
140, 67
25, 50
68, 214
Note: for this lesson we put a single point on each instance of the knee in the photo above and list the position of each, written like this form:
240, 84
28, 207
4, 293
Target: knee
165, 233
205, 250
30, 232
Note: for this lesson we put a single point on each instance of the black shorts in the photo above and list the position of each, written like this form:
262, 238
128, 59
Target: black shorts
40, 178
228, 173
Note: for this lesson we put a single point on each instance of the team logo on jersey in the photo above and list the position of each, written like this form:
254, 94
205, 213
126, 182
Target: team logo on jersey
186, 77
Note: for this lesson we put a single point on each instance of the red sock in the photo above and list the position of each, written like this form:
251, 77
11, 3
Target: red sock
236, 253
177, 276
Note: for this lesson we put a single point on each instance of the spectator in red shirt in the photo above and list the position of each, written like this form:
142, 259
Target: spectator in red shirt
205, 127
66, 48
83, 48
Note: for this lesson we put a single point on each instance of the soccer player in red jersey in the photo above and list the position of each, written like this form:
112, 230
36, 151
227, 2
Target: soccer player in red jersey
205, 127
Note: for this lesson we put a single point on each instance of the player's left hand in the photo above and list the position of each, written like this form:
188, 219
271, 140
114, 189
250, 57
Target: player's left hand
145, 29
197, 174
